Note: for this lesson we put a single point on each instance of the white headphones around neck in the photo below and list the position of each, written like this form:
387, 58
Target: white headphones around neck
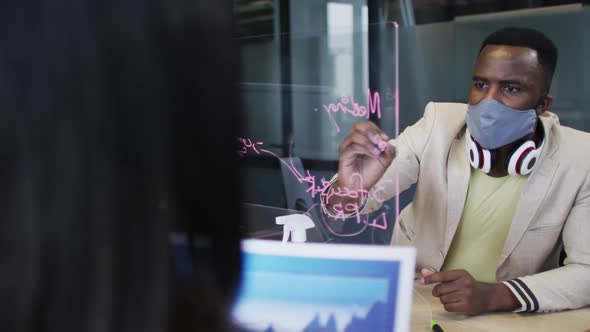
519, 162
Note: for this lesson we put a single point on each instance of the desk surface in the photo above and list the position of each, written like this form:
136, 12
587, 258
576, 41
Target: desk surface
571, 320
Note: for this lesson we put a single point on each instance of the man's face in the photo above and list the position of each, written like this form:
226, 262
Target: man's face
511, 75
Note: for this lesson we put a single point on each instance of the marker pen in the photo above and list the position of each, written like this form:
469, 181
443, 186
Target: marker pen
435, 326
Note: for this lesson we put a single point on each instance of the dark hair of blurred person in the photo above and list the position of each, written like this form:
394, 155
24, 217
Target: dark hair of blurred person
117, 122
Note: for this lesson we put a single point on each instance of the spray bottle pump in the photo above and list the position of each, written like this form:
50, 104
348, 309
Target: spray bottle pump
296, 225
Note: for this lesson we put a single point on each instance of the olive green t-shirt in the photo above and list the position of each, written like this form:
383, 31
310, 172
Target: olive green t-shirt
485, 222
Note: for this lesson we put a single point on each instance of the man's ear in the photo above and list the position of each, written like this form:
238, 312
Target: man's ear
544, 104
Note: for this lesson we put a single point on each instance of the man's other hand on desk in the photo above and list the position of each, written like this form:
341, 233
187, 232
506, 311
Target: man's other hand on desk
459, 292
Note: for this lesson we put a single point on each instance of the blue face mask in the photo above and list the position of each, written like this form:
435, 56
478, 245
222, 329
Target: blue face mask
493, 124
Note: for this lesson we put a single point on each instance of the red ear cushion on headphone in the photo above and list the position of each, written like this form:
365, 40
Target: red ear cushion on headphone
521, 161
479, 157
528, 162
523, 156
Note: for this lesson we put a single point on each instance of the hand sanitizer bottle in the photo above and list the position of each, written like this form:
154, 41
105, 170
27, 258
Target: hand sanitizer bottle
296, 225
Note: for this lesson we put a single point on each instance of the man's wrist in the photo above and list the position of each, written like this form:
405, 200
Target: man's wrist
502, 299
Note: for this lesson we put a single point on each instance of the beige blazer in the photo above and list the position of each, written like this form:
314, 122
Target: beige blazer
553, 211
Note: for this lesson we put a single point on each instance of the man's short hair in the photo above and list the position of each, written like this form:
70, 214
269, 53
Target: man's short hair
529, 38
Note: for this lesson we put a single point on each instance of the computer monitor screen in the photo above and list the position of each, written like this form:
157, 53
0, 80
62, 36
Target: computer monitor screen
325, 287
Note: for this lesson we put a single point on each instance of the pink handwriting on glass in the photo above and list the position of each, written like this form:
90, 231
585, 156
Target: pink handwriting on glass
341, 212
354, 208
376, 193
314, 189
245, 144
347, 105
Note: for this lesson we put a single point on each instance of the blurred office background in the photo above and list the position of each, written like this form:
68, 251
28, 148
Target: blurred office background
300, 54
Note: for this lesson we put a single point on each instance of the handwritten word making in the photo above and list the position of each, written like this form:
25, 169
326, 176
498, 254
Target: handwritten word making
347, 105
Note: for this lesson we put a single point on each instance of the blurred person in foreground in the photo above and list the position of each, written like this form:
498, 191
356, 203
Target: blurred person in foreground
106, 148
